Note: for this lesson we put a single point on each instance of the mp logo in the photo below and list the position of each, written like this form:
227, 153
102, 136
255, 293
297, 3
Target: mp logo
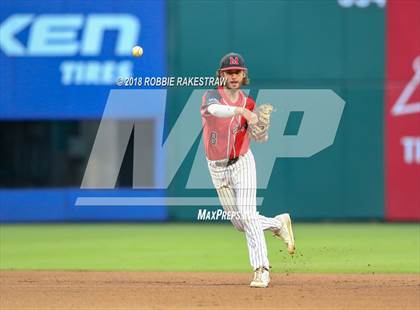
322, 110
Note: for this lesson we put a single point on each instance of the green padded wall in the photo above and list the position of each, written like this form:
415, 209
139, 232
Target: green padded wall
296, 44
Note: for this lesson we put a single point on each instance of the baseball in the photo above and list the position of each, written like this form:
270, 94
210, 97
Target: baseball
137, 51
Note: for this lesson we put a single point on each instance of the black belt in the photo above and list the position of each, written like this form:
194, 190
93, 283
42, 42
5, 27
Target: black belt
225, 163
231, 161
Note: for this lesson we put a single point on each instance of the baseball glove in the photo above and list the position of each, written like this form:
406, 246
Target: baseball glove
259, 131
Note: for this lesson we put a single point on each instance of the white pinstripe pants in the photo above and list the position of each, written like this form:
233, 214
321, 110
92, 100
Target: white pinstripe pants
236, 186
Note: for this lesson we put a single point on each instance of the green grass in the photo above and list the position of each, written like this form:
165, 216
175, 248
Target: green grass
343, 248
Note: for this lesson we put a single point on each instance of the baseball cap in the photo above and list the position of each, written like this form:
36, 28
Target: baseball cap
232, 61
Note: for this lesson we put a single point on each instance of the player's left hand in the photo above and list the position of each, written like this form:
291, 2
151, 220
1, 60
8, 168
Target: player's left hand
259, 130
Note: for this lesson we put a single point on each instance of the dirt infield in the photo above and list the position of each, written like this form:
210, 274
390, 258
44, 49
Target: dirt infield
144, 290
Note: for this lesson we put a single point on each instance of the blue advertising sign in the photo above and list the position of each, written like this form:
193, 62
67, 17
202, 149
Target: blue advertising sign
59, 59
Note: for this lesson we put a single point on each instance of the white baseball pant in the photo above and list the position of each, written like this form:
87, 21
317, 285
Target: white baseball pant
236, 186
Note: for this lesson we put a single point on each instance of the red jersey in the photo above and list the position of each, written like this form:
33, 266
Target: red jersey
225, 137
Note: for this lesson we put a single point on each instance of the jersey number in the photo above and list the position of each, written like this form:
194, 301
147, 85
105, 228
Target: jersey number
213, 137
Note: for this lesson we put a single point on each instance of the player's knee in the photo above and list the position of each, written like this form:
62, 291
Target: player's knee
249, 218
248, 223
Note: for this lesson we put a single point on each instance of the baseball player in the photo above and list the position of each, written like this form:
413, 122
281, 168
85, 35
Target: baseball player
228, 124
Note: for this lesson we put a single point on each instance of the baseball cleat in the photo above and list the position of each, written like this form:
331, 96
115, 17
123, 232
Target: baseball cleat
261, 278
285, 233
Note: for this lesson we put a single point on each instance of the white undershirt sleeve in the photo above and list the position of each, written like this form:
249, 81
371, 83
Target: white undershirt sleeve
220, 110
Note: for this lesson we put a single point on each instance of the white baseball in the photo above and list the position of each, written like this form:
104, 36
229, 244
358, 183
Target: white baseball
137, 51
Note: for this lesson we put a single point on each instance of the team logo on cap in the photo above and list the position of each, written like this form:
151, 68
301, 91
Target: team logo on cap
233, 60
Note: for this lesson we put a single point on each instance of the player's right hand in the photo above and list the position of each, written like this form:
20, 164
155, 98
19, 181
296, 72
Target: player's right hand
250, 117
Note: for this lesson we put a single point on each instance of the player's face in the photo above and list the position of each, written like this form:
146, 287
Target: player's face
233, 78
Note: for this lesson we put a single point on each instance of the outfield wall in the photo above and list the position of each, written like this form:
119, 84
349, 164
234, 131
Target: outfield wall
402, 132
362, 50
298, 45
